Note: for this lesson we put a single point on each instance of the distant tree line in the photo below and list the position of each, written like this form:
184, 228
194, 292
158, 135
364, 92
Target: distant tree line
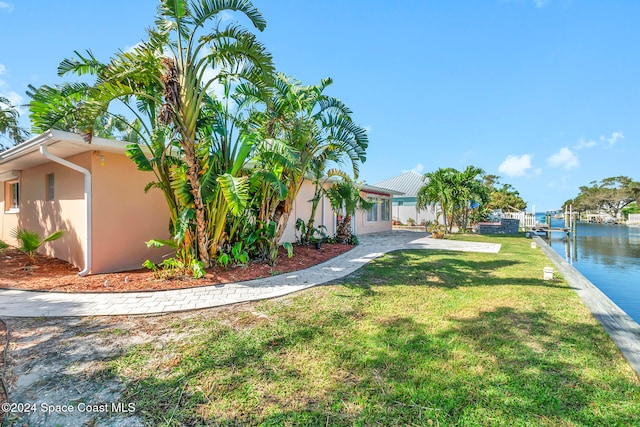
616, 196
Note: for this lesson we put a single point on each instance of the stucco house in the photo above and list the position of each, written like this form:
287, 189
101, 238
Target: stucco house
404, 205
58, 181
377, 219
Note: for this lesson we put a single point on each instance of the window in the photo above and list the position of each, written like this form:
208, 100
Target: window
50, 187
385, 210
372, 214
400, 202
12, 196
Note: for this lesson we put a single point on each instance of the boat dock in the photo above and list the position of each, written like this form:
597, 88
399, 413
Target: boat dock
544, 228
570, 219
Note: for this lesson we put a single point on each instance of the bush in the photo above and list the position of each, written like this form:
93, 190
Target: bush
30, 241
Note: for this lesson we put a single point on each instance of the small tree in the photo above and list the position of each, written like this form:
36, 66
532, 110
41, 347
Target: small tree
9, 123
30, 241
345, 199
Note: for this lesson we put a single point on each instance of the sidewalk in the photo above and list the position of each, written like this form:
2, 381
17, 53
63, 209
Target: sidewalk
17, 303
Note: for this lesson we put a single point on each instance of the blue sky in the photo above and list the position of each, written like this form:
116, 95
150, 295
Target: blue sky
544, 93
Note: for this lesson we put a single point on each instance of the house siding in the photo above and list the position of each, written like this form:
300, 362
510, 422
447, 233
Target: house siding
124, 216
65, 212
301, 208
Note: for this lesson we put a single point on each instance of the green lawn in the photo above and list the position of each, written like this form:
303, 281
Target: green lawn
415, 338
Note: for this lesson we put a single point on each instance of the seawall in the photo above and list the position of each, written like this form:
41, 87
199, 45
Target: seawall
622, 329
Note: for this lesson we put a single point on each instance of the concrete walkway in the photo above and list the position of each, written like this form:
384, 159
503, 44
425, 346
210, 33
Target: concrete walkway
17, 303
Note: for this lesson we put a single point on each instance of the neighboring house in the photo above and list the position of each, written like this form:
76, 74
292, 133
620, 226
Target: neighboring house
404, 206
58, 181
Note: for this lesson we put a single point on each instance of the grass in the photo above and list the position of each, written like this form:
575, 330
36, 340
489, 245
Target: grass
414, 338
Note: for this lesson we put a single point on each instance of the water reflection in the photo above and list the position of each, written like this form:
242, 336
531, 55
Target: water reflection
609, 256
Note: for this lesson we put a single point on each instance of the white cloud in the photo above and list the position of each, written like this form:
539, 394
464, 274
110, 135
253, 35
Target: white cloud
369, 129
417, 168
563, 159
15, 100
584, 144
615, 137
129, 49
540, 3
7, 6
515, 166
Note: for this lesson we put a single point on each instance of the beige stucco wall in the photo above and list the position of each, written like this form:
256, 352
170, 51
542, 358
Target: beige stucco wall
66, 212
325, 216
124, 216
365, 227
302, 209
8, 221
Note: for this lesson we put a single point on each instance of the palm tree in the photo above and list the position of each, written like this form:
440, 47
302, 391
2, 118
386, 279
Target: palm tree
30, 241
166, 82
469, 190
345, 199
454, 192
9, 123
316, 126
438, 190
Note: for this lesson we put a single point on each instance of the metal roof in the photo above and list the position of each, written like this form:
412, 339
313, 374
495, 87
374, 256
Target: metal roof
408, 183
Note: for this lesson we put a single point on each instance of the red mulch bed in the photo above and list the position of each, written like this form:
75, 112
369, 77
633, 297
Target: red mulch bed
50, 274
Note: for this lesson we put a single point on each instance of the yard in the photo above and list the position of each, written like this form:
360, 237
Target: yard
414, 338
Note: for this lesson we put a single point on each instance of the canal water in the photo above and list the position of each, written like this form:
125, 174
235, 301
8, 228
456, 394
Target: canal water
609, 256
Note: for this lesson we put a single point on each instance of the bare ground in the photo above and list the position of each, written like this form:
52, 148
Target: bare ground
56, 363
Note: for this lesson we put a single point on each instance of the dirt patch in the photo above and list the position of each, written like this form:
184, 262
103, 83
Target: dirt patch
50, 274
62, 363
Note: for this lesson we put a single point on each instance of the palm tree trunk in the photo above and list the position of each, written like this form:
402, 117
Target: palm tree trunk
314, 207
283, 211
193, 174
343, 231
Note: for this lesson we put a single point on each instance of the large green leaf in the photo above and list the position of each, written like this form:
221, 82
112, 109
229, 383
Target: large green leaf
53, 236
235, 191
135, 153
185, 219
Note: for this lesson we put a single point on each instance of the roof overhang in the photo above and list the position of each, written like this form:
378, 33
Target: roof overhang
59, 143
372, 189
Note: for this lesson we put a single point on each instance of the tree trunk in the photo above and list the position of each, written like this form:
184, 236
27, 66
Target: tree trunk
343, 231
282, 212
193, 174
312, 218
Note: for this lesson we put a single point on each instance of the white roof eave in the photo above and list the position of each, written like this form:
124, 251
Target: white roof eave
27, 153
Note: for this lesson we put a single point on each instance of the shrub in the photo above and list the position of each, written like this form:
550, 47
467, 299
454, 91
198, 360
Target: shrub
30, 241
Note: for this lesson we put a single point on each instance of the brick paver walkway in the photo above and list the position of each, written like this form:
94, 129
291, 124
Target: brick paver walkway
17, 303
